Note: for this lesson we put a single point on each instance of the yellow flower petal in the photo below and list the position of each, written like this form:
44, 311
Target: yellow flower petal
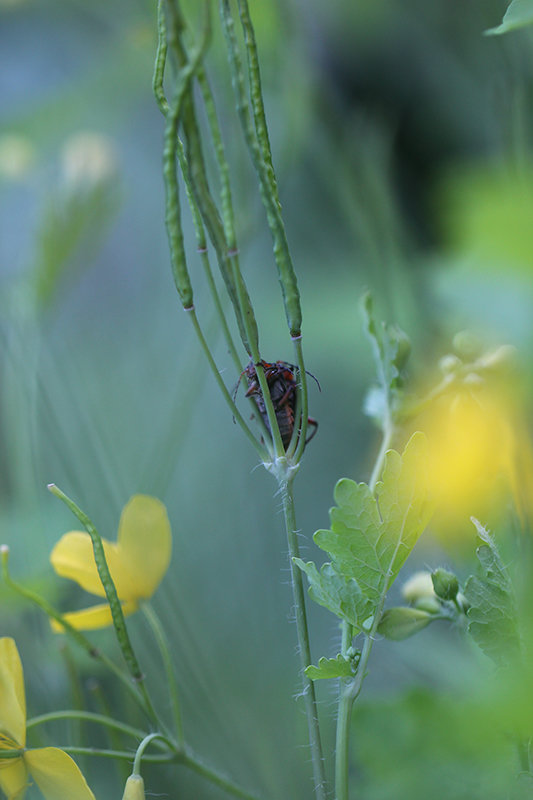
73, 558
89, 619
145, 543
12, 695
57, 775
13, 778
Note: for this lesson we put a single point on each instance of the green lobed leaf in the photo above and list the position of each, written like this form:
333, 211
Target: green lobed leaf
371, 537
492, 614
341, 595
338, 667
518, 15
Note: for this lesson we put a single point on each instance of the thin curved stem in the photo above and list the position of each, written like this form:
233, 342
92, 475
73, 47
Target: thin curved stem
159, 634
191, 760
89, 716
263, 453
115, 606
70, 630
122, 755
350, 688
139, 755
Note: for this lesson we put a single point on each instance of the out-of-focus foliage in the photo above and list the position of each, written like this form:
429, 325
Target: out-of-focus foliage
401, 137
518, 15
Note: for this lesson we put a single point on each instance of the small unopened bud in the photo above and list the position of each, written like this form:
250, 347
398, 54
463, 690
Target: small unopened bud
449, 364
445, 584
403, 347
467, 345
417, 587
134, 789
402, 622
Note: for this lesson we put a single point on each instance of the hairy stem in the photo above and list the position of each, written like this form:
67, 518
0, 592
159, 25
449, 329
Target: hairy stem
351, 687
286, 487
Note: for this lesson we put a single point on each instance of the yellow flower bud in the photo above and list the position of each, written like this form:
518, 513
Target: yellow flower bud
134, 789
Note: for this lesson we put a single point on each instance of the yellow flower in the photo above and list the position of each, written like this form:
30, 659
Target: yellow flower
479, 458
54, 772
137, 561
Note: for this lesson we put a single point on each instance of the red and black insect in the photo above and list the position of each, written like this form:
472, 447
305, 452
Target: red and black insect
283, 387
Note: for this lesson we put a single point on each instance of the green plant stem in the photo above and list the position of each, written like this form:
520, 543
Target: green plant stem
89, 716
301, 419
118, 754
263, 453
179, 754
286, 489
194, 763
115, 606
159, 634
351, 687
139, 755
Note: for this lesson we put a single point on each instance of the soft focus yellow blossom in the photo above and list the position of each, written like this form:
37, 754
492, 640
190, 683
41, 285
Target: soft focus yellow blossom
137, 561
479, 457
54, 772
88, 158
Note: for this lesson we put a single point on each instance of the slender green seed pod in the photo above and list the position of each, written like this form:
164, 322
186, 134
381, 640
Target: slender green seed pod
173, 208
160, 60
261, 159
228, 216
107, 582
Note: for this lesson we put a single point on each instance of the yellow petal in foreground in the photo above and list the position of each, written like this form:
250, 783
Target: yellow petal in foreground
137, 561
13, 773
57, 775
12, 696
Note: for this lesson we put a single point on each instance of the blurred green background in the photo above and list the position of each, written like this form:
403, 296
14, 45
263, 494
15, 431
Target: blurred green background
402, 140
